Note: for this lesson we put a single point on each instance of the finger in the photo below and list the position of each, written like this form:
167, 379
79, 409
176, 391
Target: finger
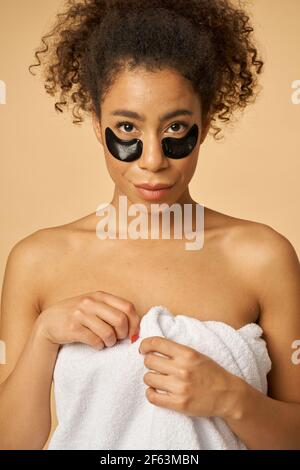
100, 328
159, 381
162, 345
164, 400
86, 336
126, 307
112, 316
163, 365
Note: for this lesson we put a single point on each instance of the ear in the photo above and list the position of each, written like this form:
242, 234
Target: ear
97, 127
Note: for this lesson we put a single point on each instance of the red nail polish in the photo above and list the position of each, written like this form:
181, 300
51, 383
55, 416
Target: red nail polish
134, 338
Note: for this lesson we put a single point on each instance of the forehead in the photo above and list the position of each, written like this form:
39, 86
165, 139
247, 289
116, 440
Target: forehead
151, 92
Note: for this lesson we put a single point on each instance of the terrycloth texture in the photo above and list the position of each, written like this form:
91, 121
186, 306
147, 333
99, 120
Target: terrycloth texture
100, 395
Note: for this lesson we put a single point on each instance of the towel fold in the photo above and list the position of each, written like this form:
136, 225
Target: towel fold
100, 395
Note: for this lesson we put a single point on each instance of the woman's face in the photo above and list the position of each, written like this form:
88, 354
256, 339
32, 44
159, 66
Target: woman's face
136, 107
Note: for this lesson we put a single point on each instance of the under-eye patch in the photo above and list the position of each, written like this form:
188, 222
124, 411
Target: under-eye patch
180, 148
131, 150
124, 150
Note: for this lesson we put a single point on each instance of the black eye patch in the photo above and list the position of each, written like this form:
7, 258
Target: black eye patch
131, 150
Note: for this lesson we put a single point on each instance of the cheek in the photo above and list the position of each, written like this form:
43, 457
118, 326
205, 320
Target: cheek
115, 168
186, 166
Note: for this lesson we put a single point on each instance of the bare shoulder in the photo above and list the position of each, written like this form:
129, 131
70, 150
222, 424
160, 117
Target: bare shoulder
251, 241
269, 263
36, 256
43, 244
262, 242
31, 262
256, 251
263, 247
37, 248
29, 253
25, 264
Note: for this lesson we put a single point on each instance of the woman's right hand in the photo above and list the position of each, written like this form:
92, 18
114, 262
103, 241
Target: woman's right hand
98, 319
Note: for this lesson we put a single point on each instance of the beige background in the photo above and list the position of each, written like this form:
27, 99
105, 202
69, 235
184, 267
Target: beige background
53, 172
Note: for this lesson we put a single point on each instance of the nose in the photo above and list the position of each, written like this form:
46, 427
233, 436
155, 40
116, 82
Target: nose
153, 158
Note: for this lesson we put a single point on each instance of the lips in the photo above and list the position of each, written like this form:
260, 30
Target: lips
153, 192
153, 187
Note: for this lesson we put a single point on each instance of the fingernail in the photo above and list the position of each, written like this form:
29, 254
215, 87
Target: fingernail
134, 338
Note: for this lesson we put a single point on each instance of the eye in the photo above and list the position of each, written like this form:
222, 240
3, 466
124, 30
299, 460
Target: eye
179, 123
124, 123
128, 126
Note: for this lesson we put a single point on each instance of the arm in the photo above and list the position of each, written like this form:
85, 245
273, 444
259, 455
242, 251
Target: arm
273, 421
26, 378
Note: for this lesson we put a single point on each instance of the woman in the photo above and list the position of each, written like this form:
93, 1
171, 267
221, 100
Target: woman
155, 76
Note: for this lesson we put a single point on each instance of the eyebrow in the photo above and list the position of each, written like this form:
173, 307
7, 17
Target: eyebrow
169, 115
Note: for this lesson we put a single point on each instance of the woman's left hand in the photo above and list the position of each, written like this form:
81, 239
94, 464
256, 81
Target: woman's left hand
195, 384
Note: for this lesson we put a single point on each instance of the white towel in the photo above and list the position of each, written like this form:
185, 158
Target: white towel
100, 395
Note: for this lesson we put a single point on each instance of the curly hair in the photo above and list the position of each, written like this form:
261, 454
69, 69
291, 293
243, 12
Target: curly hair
208, 41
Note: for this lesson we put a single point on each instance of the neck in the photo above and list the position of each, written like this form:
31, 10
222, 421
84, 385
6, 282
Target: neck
148, 212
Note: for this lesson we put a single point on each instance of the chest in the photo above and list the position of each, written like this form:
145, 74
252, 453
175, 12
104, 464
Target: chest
198, 284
